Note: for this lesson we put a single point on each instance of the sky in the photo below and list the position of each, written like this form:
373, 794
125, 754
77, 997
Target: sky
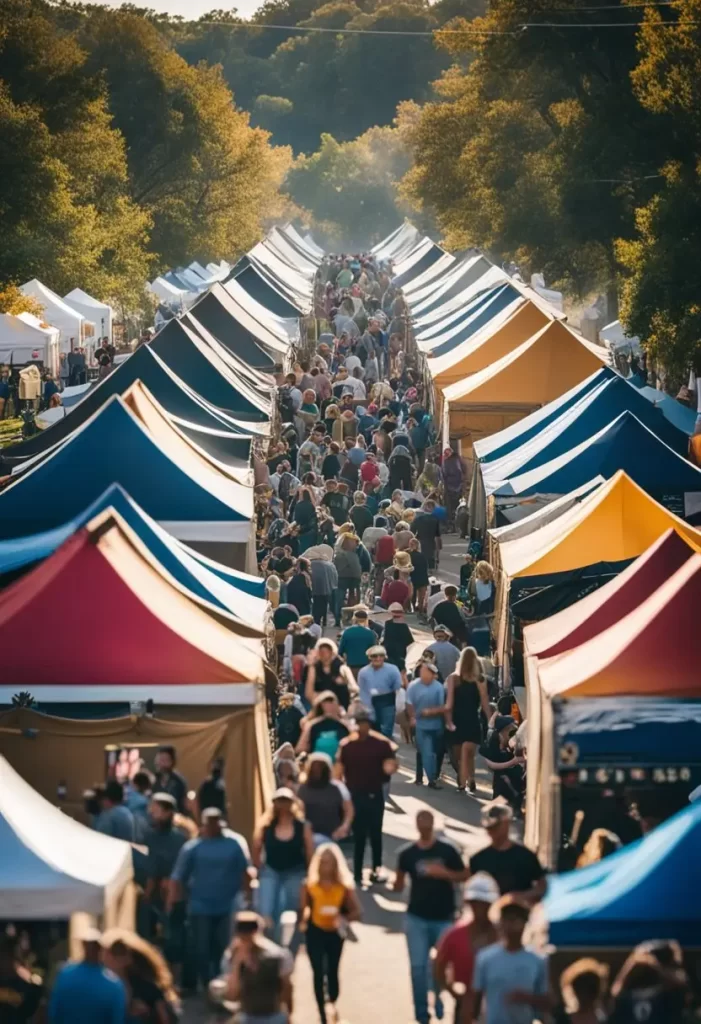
191, 9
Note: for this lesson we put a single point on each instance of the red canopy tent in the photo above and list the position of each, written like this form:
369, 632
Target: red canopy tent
655, 650
99, 616
602, 608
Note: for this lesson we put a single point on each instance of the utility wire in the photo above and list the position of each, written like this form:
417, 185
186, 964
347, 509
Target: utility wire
516, 30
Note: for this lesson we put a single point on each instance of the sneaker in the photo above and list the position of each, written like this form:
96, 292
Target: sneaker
434, 785
375, 876
418, 782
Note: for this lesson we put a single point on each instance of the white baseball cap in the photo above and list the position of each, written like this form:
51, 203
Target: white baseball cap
482, 888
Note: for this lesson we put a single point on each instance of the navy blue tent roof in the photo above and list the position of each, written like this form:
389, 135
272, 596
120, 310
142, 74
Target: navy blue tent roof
430, 257
166, 387
623, 444
214, 313
680, 415
637, 731
262, 289
648, 890
113, 447
577, 423
24, 552
497, 445
203, 370
479, 312
462, 277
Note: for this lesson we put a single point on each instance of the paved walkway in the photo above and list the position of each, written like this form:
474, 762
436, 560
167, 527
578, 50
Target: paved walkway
375, 970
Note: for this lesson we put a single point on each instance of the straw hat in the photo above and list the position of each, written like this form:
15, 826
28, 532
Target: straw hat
402, 560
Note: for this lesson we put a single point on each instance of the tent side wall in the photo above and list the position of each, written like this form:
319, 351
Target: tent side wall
73, 751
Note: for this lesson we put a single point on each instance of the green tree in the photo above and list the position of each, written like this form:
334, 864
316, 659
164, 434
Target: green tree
660, 299
350, 188
65, 208
195, 164
536, 149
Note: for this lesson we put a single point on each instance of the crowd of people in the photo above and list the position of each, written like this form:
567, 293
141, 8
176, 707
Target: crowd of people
352, 503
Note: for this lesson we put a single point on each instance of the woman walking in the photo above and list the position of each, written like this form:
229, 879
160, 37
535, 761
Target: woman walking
466, 694
329, 902
282, 848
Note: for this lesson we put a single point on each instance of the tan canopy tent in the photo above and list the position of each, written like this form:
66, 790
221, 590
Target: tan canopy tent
537, 371
496, 339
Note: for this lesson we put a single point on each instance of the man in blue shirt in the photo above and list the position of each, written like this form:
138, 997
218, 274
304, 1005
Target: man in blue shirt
86, 992
355, 641
115, 819
425, 701
379, 683
213, 870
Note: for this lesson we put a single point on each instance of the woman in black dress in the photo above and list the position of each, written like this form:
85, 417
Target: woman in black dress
419, 576
466, 695
326, 671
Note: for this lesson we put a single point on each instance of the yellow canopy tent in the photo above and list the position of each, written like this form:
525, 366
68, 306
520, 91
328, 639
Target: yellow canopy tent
537, 371
616, 522
496, 339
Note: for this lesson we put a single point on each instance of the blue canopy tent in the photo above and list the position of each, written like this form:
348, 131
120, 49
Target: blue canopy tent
625, 444
197, 363
185, 564
648, 890
579, 422
453, 285
264, 290
417, 263
190, 500
216, 311
487, 449
680, 415
475, 316
181, 402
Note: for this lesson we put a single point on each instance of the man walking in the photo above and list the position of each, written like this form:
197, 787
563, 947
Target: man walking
212, 870
435, 867
445, 653
425, 701
379, 682
356, 640
514, 867
368, 760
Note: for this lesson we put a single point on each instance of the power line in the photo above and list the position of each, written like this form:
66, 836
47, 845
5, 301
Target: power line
516, 30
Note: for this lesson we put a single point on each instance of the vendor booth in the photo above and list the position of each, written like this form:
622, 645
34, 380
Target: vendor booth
75, 329
98, 313
27, 339
539, 370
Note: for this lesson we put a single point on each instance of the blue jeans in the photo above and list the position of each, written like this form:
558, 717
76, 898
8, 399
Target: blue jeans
427, 742
384, 720
210, 935
278, 892
421, 937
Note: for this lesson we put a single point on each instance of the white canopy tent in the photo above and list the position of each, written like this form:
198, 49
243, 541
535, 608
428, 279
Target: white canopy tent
73, 326
23, 339
100, 313
52, 866
176, 298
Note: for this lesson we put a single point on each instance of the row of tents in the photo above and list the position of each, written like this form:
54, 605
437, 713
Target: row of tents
587, 500
131, 610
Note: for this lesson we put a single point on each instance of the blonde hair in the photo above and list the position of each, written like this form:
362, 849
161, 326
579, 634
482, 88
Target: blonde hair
601, 843
469, 667
343, 874
484, 571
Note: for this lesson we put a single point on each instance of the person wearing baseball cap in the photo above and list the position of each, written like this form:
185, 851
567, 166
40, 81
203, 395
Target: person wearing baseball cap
514, 867
379, 682
456, 951
368, 760
444, 651
425, 701
397, 638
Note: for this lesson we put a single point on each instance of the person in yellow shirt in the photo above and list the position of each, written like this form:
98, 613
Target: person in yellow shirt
329, 902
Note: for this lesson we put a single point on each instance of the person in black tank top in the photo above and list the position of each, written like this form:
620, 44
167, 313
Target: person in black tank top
282, 847
466, 696
327, 671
